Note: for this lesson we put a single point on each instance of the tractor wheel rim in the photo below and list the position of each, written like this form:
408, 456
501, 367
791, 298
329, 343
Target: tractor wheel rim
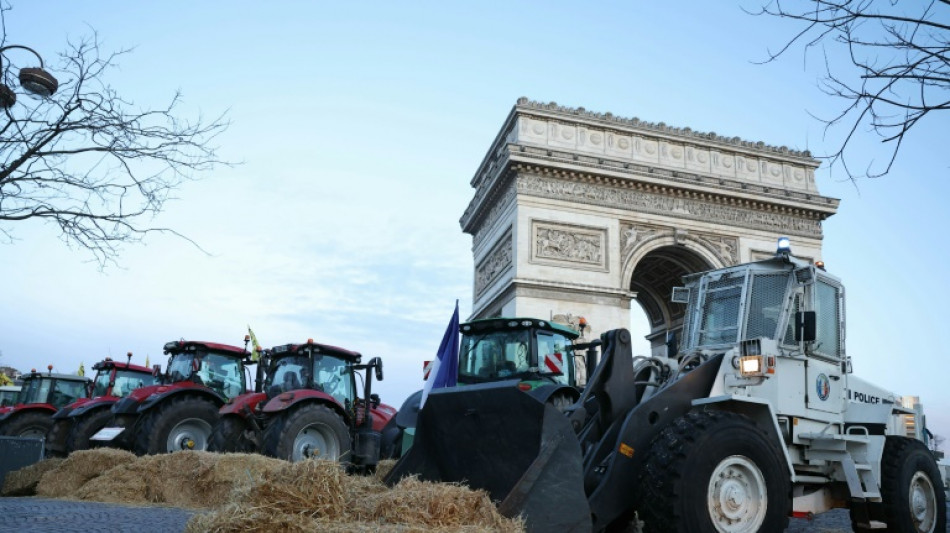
191, 434
33, 433
315, 441
736, 496
923, 503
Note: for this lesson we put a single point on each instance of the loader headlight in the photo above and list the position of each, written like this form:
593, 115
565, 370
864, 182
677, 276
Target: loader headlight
751, 366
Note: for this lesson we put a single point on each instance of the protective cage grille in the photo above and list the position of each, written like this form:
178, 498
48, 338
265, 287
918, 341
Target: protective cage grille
765, 305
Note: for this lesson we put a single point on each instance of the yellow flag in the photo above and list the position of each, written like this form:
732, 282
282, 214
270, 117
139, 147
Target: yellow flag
5, 379
255, 347
146, 360
82, 370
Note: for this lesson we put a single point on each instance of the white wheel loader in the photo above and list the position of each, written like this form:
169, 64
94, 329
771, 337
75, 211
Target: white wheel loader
755, 418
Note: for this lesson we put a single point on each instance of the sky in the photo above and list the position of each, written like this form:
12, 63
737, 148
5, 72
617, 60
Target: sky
358, 127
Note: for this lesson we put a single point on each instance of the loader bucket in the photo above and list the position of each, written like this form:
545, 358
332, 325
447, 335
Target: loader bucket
495, 437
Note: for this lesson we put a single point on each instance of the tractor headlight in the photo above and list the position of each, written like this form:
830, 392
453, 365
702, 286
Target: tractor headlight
751, 366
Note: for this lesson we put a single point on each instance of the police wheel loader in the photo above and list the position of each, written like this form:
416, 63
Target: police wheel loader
755, 418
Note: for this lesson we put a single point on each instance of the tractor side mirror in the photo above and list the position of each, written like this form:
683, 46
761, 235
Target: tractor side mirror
374, 400
377, 365
805, 326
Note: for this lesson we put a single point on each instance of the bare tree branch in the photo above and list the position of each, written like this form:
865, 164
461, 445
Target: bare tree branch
899, 70
89, 162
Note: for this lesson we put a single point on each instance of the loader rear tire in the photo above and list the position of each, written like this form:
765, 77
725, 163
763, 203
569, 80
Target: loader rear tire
228, 436
182, 423
86, 426
308, 432
712, 472
911, 488
33, 425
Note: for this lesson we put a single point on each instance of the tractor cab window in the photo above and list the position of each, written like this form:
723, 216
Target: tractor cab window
180, 367
67, 392
100, 387
495, 355
7, 398
720, 320
554, 356
127, 381
222, 373
35, 391
287, 374
335, 376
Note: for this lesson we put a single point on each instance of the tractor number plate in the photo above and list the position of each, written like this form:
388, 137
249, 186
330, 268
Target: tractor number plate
107, 434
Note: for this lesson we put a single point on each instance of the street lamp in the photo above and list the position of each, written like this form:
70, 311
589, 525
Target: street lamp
34, 80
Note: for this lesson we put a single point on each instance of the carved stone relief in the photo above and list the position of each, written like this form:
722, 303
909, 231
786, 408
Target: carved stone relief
645, 202
495, 263
574, 246
632, 235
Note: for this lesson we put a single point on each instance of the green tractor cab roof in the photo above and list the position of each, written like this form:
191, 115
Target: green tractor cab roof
501, 323
49, 375
317, 348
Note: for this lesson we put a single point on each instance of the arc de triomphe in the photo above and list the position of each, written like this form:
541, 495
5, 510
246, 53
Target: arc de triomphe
582, 213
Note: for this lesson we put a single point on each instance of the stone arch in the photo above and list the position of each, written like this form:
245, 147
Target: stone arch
657, 264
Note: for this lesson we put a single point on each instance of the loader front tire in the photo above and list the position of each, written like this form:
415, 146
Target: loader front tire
228, 436
311, 431
182, 423
712, 472
911, 488
86, 426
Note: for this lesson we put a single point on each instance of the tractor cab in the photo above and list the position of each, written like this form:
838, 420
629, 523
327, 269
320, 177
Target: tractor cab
531, 350
8, 394
219, 367
313, 366
53, 390
116, 379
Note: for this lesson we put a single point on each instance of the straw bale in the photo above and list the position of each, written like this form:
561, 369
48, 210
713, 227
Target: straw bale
313, 488
383, 468
440, 505
245, 517
77, 469
23, 482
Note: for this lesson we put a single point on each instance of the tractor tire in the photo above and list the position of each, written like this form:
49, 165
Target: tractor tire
228, 436
714, 472
86, 426
57, 436
178, 423
34, 425
309, 431
911, 488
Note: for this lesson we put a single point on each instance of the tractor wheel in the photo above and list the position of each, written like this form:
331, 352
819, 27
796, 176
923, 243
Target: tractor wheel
182, 423
714, 472
228, 436
911, 488
57, 436
86, 426
310, 431
34, 425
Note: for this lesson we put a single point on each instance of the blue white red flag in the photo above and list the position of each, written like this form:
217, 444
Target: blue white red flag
445, 367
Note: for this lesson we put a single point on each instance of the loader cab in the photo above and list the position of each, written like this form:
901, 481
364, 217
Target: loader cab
516, 348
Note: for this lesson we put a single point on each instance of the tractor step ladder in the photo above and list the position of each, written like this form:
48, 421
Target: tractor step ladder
838, 449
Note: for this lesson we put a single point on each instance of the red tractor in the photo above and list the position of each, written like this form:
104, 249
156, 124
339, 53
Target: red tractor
40, 397
75, 423
308, 408
180, 411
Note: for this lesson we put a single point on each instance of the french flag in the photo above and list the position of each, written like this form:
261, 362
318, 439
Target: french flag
445, 367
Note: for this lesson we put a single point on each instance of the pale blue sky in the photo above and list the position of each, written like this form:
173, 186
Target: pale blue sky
360, 125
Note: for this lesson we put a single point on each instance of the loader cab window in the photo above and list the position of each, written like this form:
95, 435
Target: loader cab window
828, 310
720, 320
335, 376
765, 305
